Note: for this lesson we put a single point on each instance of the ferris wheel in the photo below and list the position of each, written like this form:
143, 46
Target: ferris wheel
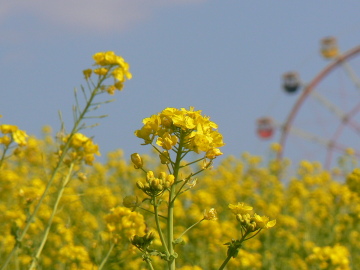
324, 122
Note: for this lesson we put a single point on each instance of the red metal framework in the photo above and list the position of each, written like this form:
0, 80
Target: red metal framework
347, 119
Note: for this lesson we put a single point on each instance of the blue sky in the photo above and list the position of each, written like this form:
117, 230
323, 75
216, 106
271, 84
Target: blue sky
223, 57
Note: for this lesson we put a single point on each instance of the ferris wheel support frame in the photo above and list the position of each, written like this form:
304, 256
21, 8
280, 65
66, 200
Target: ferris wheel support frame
286, 128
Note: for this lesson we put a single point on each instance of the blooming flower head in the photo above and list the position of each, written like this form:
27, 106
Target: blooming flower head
262, 222
125, 222
240, 208
17, 135
82, 148
210, 215
106, 59
5, 129
109, 65
167, 141
197, 131
213, 153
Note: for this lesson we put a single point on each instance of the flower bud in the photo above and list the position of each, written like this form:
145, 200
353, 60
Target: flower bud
146, 186
167, 185
87, 73
137, 241
252, 227
82, 176
166, 121
154, 182
164, 157
131, 202
170, 179
162, 175
149, 176
140, 185
137, 160
101, 71
211, 215
159, 187
142, 242
149, 236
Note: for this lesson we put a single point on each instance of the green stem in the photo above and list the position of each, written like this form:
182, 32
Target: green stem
107, 256
3, 155
225, 262
148, 261
54, 210
188, 229
195, 161
233, 251
170, 227
151, 212
163, 242
54, 173
179, 190
171, 203
255, 234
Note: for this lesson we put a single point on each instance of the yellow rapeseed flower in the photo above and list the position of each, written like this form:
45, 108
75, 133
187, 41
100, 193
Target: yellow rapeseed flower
19, 137
6, 129
210, 215
201, 134
213, 153
5, 140
262, 222
87, 73
167, 141
240, 208
101, 71
276, 147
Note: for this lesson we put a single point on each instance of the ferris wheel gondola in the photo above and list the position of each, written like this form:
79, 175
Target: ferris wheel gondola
342, 117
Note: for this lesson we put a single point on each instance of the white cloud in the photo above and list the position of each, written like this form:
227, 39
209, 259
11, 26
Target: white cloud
98, 15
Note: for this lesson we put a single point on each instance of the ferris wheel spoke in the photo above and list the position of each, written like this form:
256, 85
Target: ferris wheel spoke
309, 136
351, 73
328, 143
343, 116
329, 105
336, 112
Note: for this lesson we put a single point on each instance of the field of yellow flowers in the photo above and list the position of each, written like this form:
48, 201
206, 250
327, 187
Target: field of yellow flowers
61, 209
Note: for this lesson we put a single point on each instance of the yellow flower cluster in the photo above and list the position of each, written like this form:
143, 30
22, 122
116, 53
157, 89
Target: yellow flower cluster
108, 64
312, 210
12, 134
250, 222
171, 125
82, 148
155, 186
336, 257
124, 223
353, 181
75, 257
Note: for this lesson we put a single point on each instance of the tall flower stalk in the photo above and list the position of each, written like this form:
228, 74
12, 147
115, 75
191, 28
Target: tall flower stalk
251, 225
173, 133
76, 147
